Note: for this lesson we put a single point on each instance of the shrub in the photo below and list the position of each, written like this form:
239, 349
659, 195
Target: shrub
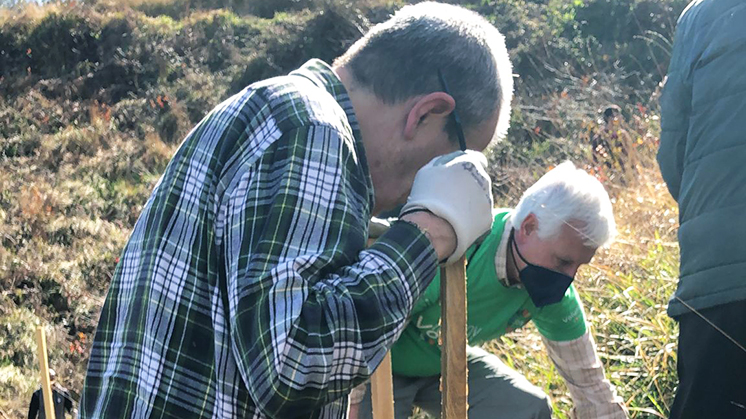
17, 344
62, 42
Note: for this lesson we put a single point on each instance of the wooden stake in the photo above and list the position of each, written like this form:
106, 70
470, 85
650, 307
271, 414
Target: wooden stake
46, 387
454, 384
381, 386
382, 390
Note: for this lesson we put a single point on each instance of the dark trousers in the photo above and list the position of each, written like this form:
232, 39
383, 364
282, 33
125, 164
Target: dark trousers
495, 392
712, 369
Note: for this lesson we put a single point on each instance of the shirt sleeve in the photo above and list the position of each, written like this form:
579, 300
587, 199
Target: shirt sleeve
311, 311
578, 364
429, 297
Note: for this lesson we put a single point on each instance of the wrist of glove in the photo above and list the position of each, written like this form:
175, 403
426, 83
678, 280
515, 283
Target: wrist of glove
457, 188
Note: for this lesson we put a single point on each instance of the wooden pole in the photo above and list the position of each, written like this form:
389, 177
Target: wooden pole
454, 384
382, 390
46, 387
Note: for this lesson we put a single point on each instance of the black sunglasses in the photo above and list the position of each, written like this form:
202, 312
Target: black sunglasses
454, 116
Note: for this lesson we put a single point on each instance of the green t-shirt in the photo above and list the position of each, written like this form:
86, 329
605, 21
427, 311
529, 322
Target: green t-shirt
493, 310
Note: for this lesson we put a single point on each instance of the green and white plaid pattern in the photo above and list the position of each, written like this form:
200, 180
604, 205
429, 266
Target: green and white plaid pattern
245, 289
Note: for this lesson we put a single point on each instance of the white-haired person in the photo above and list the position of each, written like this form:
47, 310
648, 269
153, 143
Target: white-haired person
523, 271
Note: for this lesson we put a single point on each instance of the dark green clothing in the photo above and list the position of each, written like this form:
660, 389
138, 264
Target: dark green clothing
702, 153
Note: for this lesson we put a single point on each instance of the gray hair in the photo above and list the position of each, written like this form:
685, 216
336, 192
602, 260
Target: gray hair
566, 195
400, 58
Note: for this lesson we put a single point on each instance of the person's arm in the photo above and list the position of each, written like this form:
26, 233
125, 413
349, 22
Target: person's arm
578, 363
68, 402
33, 408
676, 100
311, 311
570, 345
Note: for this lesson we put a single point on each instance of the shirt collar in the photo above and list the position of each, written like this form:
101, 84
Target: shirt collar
501, 255
322, 75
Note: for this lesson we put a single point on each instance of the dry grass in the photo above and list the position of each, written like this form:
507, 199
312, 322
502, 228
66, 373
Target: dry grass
29, 12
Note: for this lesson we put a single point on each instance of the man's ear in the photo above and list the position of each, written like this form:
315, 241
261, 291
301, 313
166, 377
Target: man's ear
530, 225
432, 108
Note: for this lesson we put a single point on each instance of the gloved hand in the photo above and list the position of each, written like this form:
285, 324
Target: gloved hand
457, 188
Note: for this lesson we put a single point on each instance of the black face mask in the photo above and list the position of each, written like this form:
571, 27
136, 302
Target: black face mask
543, 285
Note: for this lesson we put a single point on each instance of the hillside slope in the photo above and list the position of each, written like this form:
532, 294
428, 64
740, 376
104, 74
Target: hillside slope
95, 97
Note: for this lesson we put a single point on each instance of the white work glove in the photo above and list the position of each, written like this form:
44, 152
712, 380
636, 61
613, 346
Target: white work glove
457, 188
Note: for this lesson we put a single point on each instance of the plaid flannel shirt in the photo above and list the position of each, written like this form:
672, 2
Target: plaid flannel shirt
245, 289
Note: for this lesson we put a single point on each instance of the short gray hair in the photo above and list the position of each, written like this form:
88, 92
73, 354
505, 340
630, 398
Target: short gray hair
400, 58
566, 195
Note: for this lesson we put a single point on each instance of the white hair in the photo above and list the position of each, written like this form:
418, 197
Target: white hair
567, 195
